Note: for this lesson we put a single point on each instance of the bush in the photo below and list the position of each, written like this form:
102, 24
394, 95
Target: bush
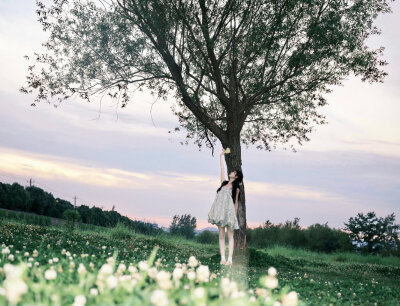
121, 231
207, 237
71, 216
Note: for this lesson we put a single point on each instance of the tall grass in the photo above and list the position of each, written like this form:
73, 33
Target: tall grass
345, 257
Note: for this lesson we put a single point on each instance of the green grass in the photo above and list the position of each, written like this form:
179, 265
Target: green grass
344, 257
319, 279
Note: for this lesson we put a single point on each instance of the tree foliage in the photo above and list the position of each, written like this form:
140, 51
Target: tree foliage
183, 225
374, 234
256, 70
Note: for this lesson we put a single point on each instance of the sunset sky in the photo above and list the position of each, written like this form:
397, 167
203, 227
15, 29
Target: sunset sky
125, 157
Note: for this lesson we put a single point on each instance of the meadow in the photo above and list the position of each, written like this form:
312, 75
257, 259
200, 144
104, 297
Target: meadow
43, 265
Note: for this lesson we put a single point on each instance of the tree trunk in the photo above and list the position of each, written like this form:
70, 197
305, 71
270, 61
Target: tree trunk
233, 162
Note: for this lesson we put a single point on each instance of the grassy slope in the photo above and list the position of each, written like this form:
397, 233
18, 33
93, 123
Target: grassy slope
318, 278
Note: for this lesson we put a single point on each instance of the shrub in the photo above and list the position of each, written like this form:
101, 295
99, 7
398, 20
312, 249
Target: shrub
71, 216
207, 237
121, 231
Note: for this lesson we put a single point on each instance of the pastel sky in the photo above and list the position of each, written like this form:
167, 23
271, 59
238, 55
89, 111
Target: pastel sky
125, 157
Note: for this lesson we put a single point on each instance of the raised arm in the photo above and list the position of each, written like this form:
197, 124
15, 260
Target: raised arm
221, 161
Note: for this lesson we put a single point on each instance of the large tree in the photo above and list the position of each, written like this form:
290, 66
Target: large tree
241, 71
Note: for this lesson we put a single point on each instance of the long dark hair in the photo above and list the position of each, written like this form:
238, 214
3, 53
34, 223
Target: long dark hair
235, 184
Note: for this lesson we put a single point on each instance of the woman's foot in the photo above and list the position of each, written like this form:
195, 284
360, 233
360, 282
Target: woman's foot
223, 261
229, 261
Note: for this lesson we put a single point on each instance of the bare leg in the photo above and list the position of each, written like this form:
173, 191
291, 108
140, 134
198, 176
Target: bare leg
230, 241
222, 241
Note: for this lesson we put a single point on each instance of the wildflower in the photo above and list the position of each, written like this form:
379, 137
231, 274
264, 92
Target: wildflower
26, 254
105, 269
50, 274
177, 274
81, 269
112, 281
339, 295
163, 280
272, 271
191, 275
143, 265
132, 269
79, 300
5, 251
152, 272
14, 286
55, 259
35, 253
11, 257
94, 291
290, 299
271, 282
71, 265
199, 292
159, 297
121, 268
202, 273
192, 261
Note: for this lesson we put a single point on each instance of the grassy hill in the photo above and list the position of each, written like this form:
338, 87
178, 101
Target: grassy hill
78, 258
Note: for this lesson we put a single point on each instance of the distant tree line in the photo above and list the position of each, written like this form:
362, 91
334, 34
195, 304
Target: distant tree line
35, 200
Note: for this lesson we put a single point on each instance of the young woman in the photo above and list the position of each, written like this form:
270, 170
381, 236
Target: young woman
223, 212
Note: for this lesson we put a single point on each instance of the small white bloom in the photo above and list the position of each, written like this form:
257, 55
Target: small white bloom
199, 293
26, 254
143, 265
50, 274
159, 297
5, 251
271, 282
94, 291
112, 281
152, 272
178, 273
105, 269
191, 275
203, 273
290, 299
192, 261
81, 269
11, 257
80, 300
272, 271
164, 280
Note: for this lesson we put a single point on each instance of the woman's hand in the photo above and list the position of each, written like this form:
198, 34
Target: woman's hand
222, 153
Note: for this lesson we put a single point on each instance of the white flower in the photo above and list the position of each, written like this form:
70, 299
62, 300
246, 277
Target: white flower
203, 273
178, 273
132, 269
26, 254
11, 257
105, 269
71, 265
94, 291
110, 260
79, 300
50, 261
271, 282
55, 259
159, 297
50, 274
143, 265
290, 299
103, 247
199, 293
5, 251
81, 269
112, 281
152, 272
192, 261
14, 286
121, 268
164, 280
272, 271
191, 275
35, 253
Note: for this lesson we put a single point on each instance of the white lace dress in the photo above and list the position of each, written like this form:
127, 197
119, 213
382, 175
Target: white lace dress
222, 211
